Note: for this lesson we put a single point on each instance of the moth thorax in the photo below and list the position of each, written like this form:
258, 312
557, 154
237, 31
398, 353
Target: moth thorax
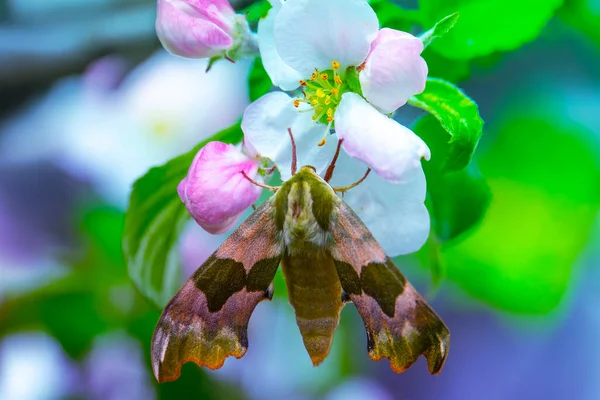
300, 226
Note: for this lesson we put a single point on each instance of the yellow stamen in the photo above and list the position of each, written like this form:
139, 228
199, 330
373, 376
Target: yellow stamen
303, 82
320, 93
314, 76
322, 142
330, 112
338, 80
296, 103
335, 65
334, 91
325, 77
327, 100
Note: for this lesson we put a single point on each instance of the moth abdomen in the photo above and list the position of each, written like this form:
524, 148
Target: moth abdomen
315, 293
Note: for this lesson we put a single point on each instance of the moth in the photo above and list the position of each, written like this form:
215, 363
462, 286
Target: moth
328, 258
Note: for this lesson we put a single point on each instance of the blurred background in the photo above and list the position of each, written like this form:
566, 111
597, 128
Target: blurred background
89, 101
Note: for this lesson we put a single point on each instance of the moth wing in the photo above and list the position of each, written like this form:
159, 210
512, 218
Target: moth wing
400, 324
207, 320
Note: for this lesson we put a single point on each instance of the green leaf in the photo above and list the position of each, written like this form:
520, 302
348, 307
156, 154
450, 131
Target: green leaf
444, 68
487, 26
458, 115
393, 16
439, 29
154, 220
259, 81
458, 200
545, 181
255, 11
353, 81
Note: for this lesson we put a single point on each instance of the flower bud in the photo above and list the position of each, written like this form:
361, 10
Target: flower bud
394, 70
215, 192
201, 28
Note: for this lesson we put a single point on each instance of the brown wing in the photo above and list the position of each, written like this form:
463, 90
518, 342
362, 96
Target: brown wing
207, 320
400, 324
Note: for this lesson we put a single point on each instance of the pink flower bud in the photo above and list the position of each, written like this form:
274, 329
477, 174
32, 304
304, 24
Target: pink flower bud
394, 70
197, 28
215, 192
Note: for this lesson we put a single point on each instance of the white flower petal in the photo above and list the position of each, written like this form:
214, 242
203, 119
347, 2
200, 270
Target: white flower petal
394, 70
280, 73
390, 149
394, 213
311, 34
265, 125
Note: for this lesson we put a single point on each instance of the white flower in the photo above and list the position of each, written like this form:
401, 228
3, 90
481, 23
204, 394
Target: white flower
160, 110
321, 45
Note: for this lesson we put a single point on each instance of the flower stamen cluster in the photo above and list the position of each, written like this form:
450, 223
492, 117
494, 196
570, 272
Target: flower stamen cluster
323, 92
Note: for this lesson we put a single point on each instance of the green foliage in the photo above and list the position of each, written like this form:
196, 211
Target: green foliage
352, 81
457, 200
258, 81
487, 26
545, 182
392, 16
458, 115
155, 218
440, 29
256, 10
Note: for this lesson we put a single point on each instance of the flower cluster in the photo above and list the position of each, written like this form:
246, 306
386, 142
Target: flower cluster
344, 77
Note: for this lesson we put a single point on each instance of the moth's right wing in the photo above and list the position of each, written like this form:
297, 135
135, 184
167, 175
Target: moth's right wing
400, 324
207, 320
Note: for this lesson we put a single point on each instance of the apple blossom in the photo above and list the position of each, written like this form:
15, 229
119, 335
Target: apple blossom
215, 191
322, 46
203, 29
351, 74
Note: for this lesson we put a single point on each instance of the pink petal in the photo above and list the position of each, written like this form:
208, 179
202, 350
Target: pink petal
394, 70
393, 151
193, 29
215, 192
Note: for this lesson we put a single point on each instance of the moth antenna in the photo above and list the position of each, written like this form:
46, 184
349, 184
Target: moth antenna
294, 157
355, 184
331, 167
262, 185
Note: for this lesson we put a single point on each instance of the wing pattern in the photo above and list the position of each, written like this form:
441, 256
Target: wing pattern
207, 320
399, 323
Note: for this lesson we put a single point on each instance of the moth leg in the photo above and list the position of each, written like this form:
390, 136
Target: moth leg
331, 167
355, 184
294, 156
262, 185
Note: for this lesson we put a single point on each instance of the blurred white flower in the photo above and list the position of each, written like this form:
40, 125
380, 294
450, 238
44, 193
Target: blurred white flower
115, 369
161, 109
358, 389
34, 366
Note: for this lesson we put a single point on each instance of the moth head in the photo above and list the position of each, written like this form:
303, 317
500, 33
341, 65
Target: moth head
309, 168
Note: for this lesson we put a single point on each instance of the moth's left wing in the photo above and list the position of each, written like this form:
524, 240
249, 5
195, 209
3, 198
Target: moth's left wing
207, 320
400, 324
